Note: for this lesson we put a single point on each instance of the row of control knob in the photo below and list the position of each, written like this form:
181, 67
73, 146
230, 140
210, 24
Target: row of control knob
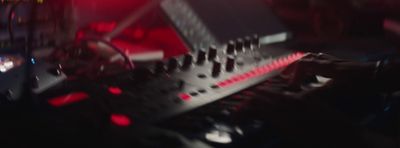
217, 66
211, 56
241, 45
202, 57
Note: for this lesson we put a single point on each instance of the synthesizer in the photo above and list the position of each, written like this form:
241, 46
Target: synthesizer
177, 85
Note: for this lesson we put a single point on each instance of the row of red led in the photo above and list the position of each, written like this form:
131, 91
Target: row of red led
262, 70
259, 71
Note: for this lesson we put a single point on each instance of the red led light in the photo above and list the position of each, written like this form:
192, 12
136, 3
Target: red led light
68, 99
120, 120
265, 69
242, 77
221, 84
235, 79
115, 90
185, 96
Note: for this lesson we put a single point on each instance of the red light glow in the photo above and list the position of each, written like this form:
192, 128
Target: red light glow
115, 90
185, 96
103, 27
120, 120
262, 70
68, 99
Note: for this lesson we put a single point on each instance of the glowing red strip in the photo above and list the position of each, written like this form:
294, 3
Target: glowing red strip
262, 70
68, 99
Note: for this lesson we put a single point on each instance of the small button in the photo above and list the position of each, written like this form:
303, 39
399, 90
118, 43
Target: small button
194, 94
202, 76
202, 91
214, 86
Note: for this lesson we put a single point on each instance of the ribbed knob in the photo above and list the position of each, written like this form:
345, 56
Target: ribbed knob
256, 41
239, 45
187, 62
247, 42
212, 53
230, 64
230, 48
201, 57
216, 69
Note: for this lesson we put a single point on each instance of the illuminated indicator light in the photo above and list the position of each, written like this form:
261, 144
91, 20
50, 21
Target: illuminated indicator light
115, 90
185, 96
68, 99
235, 79
247, 75
229, 81
33, 61
242, 77
290, 57
282, 62
120, 120
259, 70
277, 64
274, 65
251, 74
222, 84
267, 69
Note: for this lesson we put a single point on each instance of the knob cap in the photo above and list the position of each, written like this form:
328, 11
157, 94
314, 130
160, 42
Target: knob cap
187, 62
160, 67
173, 64
216, 69
201, 57
247, 42
239, 45
230, 64
256, 41
230, 48
212, 53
